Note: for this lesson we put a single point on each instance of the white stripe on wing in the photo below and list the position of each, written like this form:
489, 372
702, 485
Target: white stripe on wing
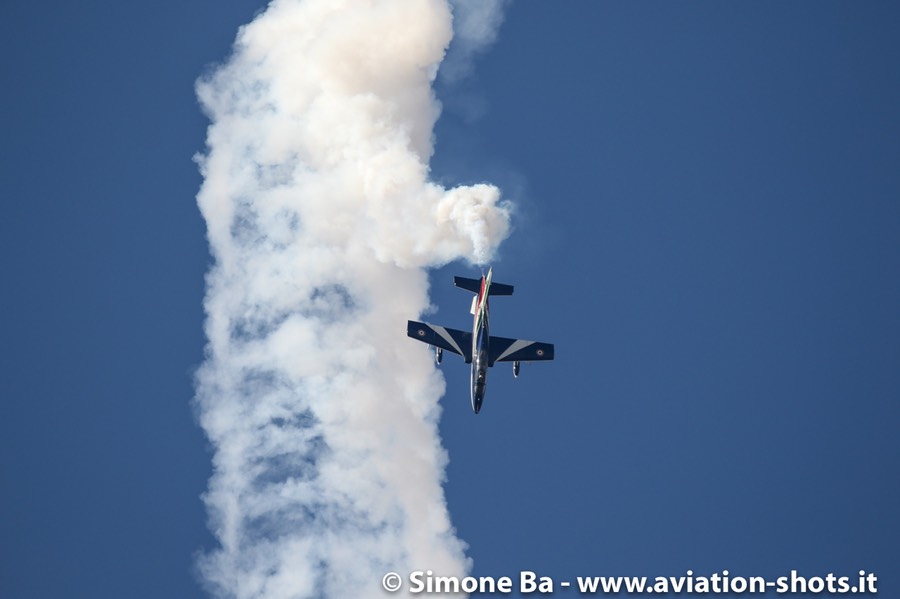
447, 337
517, 345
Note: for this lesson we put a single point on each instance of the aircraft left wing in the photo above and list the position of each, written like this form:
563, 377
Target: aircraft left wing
518, 350
453, 340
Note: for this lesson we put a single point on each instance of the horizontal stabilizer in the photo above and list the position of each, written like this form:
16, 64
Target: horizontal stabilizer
518, 350
474, 285
452, 340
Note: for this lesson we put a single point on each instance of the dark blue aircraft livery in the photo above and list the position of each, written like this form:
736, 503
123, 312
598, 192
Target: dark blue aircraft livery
479, 347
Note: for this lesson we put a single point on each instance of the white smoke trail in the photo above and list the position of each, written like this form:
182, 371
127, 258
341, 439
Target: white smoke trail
475, 25
321, 413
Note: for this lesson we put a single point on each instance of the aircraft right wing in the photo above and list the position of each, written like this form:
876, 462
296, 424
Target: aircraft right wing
458, 342
518, 350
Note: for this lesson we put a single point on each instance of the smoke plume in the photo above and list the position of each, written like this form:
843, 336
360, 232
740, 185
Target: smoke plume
475, 25
321, 219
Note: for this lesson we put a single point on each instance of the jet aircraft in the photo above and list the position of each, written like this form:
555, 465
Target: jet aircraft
479, 347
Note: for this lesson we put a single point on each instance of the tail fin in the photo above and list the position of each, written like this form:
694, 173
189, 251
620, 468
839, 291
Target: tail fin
474, 285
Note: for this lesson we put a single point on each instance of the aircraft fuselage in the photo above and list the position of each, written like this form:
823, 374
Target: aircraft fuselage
481, 339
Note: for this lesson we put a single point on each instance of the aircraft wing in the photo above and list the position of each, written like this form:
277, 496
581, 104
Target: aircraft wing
458, 342
518, 350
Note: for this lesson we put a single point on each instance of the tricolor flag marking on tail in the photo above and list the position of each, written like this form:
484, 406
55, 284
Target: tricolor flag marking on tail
483, 295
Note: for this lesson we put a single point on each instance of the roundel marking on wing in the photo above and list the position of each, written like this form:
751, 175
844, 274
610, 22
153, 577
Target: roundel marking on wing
539, 352
421, 332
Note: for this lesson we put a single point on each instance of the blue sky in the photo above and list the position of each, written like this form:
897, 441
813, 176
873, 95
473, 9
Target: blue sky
708, 227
